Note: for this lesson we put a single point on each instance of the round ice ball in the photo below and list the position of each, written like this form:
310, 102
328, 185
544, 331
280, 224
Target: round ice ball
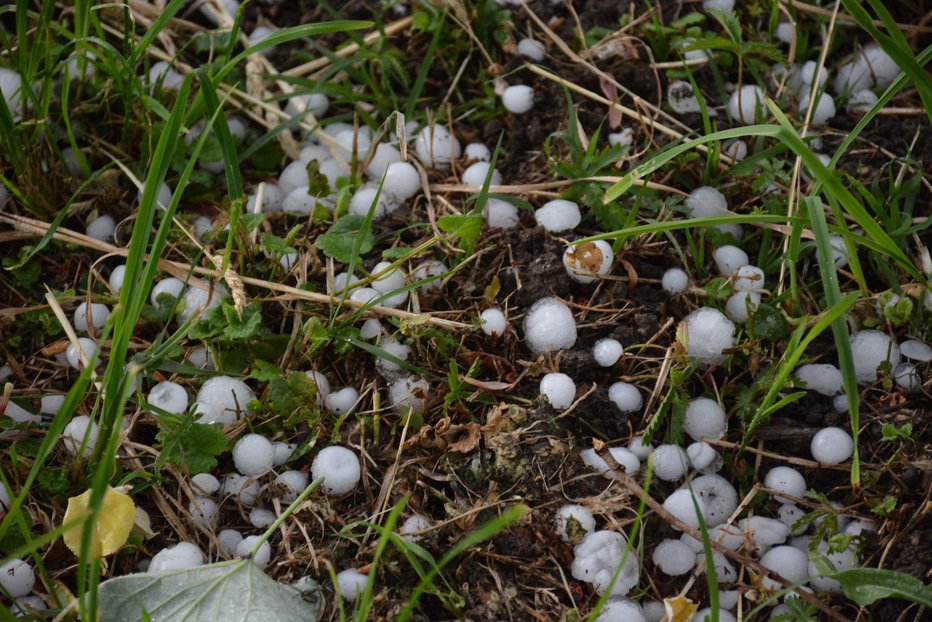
788, 562
670, 462
588, 261
243, 488
493, 322
351, 583
626, 397
518, 98
11, 84
741, 305
262, 556
412, 525
229, 539
703, 457
205, 484
559, 389
363, 200
252, 455
705, 419
204, 511
226, 395
81, 432
785, 480
574, 522
169, 396
674, 281
116, 278
549, 325
17, 577
101, 228
606, 352
96, 312
88, 347
746, 104
177, 557
476, 173
198, 301
916, 350
625, 458
292, 484
749, 278
680, 505
500, 214
709, 333
729, 259
823, 378
870, 349
832, 446
881, 65
639, 448
408, 394
674, 558
824, 109
597, 561
531, 49
343, 401
339, 467
402, 181
478, 152
436, 147
558, 215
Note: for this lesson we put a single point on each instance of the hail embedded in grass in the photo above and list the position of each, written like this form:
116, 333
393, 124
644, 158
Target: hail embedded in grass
205, 484
204, 511
17, 577
639, 448
51, 404
413, 525
737, 150
681, 98
871, 68
436, 147
80, 435
623, 456
350, 583
382, 156
699, 54
500, 214
170, 287
409, 394
229, 539
746, 104
518, 98
320, 381
300, 201
680, 505
824, 109
244, 489
729, 536
11, 88
116, 277
785, 480
88, 347
724, 6
288, 260
729, 259
365, 200
162, 73
96, 312
339, 467
574, 522
654, 610
263, 554
803, 77
252, 455
831, 446
587, 261
493, 322
788, 562
370, 329
861, 101
709, 333
705, 419
477, 152
291, 484
261, 518
271, 199
19, 414
789, 514
315, 103
907, 377
549, 326
226, 398
674, 558
764, 532
749, 278
199, 301
785, 32
674, 281
626, 397
597, 560
342, 402
388, 368
559, 390
706, 615
624, 138
101, 228
706, 201
531, 49
476, 173
741, 305
429, 269
704, 458
858, 527
402, 181
606, 352
718, 498
392, 281
621, 610
870, 349
558, 215
281, 452
177, 557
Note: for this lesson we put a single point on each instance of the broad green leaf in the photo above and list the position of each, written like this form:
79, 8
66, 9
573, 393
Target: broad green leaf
340, 240
234, 591
868, 585
465, 227
195, 446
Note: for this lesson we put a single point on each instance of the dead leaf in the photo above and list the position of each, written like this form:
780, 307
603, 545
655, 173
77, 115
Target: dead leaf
112, 527
467, 443
679, 609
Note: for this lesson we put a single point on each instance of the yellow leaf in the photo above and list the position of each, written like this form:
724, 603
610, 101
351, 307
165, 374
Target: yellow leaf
116, 518
679, 609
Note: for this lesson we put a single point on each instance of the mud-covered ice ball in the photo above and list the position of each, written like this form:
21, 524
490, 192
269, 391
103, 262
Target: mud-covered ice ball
746, 104
870, 349
559, 389
597, 559
574, 522
709, 333
705, 419
588, 261
549, 325
832, 446
558, 215
252, 455
339, 467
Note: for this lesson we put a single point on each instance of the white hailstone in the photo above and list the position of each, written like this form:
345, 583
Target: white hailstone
260, 518
389, 368
204, 511
288, 260
749, 279
729, 259
737, 150
606, 352
746, 104
101, 228
824, 109
740, 305
88, 348
626, 397
706, 201
789, 514
625, 138
350, 583
558, 215
408, 394
98, 315
478, 152
385, 155
243, 488
705, 419
518, 98
725, 6
436, 147
292, 484
392, 280
203, 227
229, 539
350, 141
281, 452
840, 403
199, 301
674, 558
803, 77
559, 389
670, 463
299, 201
226, 396
370, 329
621, 610
429, 269
705, 614
171, 287
718, 496
870, 349
260, 34
11, 88
80, 432
881, 66
574, 522
623, 456
339, 467
730, 536
703, 457
725, 573
342, 402
162, 72
831, 446
654, 611
205, 484
907, 377
680, 506
500, 214
200, 357
853, 76
788, 562
532, 49
674, 281
709, 334
861, 100
182, 555
588, 261
27, 607
597, 559
316, 103
169, 396
476, 174
116, 278
412, 526
841, 560
252, 455
785, 480
402, 181
764, 532
785, 32
17, 577
549, 325
51, 404
262, 556
858, 527
209, 414
493, 322
637, 446
19, 414
681, 98
4, 500
823, 378
364, 200
292, 177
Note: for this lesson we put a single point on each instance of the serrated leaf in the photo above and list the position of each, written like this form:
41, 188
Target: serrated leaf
466, 227
194, 447
112, 527
234, 591
868, 585
241, 327
263, 371
340, 240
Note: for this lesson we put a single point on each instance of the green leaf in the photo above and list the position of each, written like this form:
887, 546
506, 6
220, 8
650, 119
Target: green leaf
240, 327
263, 371
234, 591
465, 227
195, 447
340, 240
866, 586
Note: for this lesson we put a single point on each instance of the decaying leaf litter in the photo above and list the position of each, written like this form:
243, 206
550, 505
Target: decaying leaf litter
466, 441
